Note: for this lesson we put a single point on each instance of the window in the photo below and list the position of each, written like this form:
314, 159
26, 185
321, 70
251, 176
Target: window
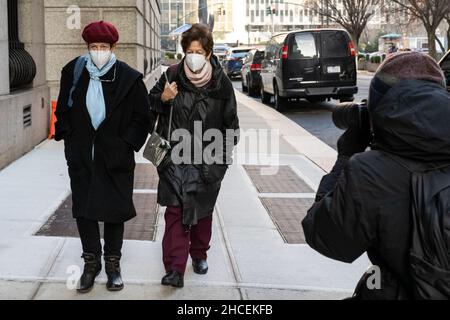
445, 64
334, 44
259, 56
303, 46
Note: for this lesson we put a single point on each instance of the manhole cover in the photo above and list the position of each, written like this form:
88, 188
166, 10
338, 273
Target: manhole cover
287, 214
143, 227
284, 180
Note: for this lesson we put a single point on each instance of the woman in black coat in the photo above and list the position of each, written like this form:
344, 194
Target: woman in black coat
102, 122
202, 98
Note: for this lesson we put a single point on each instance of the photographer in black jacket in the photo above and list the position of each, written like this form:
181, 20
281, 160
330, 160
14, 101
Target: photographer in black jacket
365, 203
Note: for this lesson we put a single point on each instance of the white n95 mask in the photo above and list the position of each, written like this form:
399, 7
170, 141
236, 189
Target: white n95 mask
100, 57
195, 61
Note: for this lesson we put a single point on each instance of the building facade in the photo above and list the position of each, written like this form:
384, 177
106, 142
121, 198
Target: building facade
176, 13
38, 37
24, 93
263, 18
138, 23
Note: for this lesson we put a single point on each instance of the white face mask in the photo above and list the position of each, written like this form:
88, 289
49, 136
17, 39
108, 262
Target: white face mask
100, 57
195, 61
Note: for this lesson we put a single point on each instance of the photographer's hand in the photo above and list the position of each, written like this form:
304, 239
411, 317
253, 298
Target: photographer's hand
353, 141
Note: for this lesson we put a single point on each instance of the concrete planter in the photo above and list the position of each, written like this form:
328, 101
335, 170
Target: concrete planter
372, 67
362, 64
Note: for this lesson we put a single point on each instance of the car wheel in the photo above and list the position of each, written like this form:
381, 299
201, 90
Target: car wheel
244, 87
280, 102
252, 92
316, 99
346, 99
265, 97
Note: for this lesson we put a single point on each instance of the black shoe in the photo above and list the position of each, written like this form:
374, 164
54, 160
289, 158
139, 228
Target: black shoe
92, 268
200, 266
112, 266
174, 279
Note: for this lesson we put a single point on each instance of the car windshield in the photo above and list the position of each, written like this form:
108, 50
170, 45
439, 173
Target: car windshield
334, 44
239, 54
259, 56
241, 51
303, 46
220, 49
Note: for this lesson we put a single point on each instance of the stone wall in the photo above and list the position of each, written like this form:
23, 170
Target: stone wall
44, 31
17, 137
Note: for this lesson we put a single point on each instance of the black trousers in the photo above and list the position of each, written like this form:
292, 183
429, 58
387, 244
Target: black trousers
89, 231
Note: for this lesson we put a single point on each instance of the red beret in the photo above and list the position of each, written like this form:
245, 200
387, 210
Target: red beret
100, 31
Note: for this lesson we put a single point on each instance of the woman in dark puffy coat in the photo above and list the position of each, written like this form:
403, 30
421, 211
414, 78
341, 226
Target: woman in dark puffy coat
203, 99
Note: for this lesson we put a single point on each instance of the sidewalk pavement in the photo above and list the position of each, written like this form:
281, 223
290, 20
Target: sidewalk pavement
254, 254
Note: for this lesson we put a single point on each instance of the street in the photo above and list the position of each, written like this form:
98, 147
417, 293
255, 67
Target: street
316, 118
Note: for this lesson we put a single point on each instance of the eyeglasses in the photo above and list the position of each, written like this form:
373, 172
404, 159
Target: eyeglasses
114, 77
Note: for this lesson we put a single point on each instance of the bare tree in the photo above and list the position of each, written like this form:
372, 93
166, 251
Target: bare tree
430, 13
353, 15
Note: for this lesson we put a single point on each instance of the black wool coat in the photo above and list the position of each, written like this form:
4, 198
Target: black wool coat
101, 162
195, 187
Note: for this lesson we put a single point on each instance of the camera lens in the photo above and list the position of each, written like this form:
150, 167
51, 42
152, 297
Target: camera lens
346, 115
351, 115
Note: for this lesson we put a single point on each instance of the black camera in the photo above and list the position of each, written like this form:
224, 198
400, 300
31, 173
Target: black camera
352, 115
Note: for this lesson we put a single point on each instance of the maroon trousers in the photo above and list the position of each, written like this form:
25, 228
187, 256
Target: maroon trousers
178, 242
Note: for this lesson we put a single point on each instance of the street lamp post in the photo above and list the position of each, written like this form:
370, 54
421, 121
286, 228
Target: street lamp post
272, 17
178, 13
321, 16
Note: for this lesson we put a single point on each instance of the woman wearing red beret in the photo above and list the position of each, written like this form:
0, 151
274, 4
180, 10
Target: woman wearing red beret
103, 119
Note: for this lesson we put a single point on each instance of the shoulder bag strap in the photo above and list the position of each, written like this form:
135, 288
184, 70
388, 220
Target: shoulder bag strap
77, 71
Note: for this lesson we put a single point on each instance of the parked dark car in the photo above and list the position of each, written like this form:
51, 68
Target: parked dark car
312, 64
251, 73
234, 61
445, 65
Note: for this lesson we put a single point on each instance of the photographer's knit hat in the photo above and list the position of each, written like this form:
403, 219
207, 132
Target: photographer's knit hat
410, 66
